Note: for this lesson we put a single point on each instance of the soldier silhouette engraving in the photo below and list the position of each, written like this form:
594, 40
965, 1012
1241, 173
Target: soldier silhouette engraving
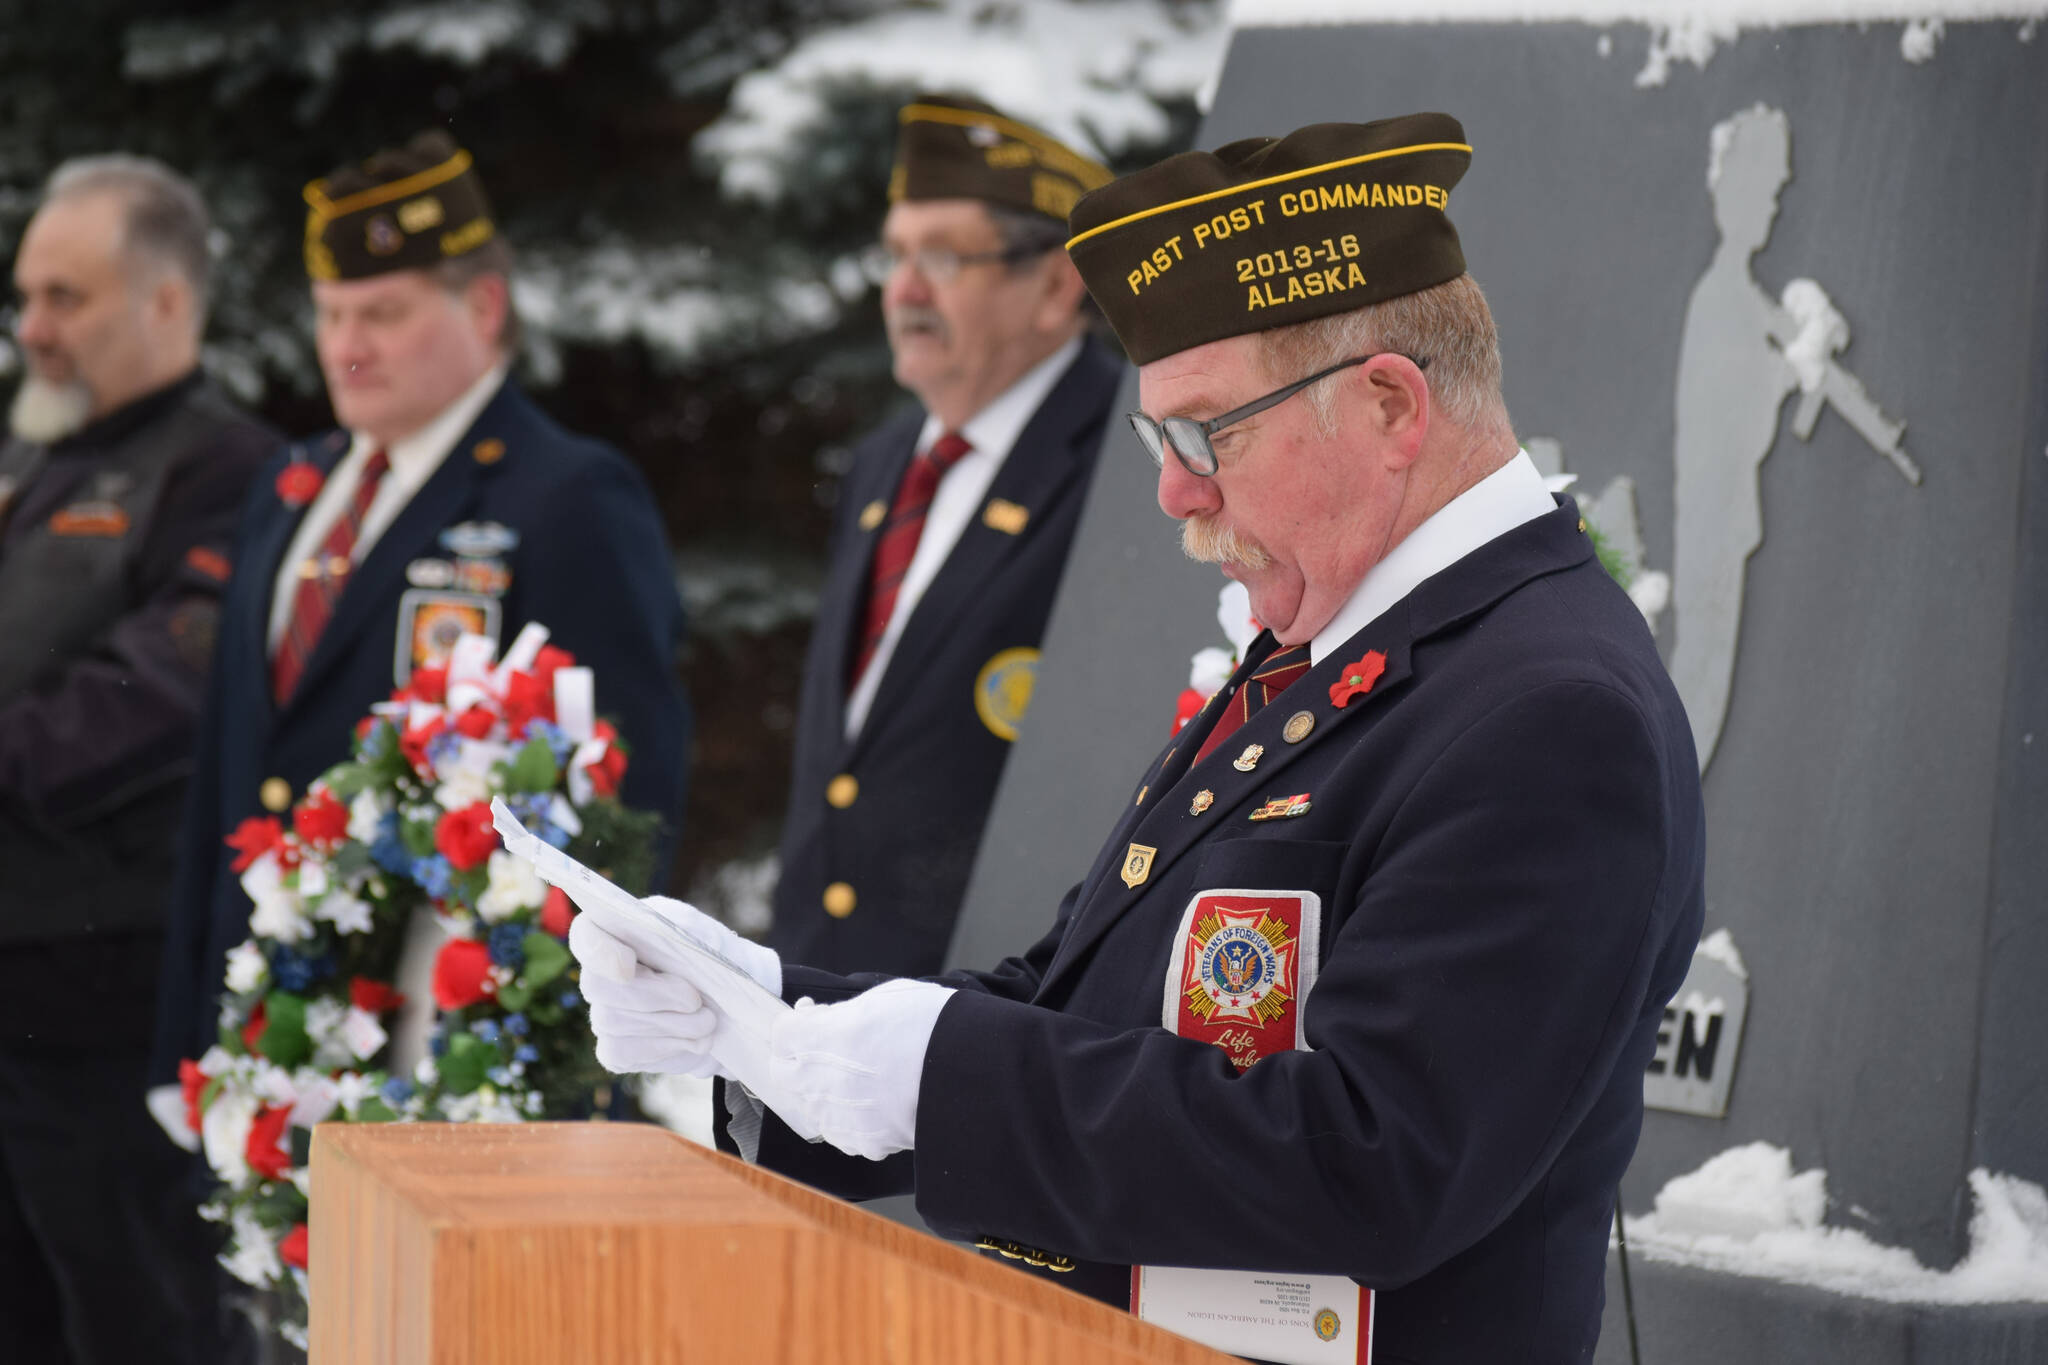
1741, 355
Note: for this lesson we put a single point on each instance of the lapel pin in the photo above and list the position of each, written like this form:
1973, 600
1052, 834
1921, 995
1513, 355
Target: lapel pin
1297, 727
1137, 864
871, 515
1003, 515
1282, 808
1358, 678
1141, 794
1249, 759
488, 451
1203, 800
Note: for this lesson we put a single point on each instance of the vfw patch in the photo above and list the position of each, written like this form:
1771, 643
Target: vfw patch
1243, 962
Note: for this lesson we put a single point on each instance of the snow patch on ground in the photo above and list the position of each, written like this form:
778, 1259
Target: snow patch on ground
1719, 946
1747, 1212
1093, 75
741, 893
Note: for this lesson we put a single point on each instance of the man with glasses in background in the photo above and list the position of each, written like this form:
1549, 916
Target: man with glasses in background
952, 529
1336, 1052
118, 495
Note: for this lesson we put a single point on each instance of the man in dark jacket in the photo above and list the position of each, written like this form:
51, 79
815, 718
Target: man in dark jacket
952, 530
447, 503
1336, 1052
118, 493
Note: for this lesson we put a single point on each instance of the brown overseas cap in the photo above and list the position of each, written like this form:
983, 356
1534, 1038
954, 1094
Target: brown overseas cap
1271, 231
406, 208
953, 147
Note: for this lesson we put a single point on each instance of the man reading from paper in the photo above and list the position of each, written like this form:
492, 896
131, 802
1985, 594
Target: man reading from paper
1356, 999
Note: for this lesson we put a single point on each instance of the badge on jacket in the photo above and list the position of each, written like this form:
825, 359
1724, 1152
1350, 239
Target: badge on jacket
430, 622
1002, 690
1241, 965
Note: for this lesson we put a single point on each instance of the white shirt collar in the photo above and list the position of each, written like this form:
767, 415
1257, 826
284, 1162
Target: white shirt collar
997, 426
1495, 505
423, 451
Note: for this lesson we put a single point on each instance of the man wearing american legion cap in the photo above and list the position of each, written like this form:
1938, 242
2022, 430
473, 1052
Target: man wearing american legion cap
952, 528
1358, 995
446, 502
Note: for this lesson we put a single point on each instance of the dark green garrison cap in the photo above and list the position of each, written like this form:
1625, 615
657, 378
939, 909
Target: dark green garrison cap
1271, 231
407, 208
952, 147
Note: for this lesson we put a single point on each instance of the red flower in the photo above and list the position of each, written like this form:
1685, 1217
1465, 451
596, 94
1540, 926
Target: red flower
527, 699
426, 684
1192, 700
547, 662
191, 1081
253, 838
292, 1248
556, 912
252, 1032
363, 728
413, 744
266, 1152
476, 722
606, 773
374, 996
298, 483
321, 818
462, 974
1358, 678
465, 836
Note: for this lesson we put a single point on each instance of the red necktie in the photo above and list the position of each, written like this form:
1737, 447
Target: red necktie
1281, 668
898, 543
321, 580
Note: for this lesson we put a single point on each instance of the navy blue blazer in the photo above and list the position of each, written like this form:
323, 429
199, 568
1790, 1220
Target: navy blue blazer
894, 817
591, 563
1505, 837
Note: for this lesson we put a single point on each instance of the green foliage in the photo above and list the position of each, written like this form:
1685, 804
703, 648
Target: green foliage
464, 1064
284, 1039
532, 769
546, 959
1610, 558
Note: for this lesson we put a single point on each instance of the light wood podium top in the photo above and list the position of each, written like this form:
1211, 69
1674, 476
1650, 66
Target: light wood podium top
507, 1243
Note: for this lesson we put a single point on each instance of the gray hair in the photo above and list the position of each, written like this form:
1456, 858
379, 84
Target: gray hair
1448, 324
166, 225
1028, 236
494, 257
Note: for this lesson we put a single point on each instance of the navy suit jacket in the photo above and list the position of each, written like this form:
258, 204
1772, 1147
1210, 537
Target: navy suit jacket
591, 564
1506, 839
925, 765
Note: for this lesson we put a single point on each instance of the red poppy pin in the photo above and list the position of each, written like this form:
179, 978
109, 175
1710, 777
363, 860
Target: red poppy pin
298, 483
1358, 678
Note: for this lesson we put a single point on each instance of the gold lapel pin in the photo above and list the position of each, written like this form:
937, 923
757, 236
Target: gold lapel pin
1203, 800
1003, 515
488, 451
1137, 864
1249, 759
871, 515
1297, 727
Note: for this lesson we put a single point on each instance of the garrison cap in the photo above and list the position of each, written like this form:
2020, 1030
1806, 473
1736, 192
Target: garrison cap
406, 208
953, 147
1266, 232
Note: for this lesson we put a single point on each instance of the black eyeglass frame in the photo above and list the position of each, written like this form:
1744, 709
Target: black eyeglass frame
878, 262
1157, 436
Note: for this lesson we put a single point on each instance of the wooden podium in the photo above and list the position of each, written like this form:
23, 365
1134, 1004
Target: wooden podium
436, 1244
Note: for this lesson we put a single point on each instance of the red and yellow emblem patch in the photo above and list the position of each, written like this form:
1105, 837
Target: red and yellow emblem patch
1240, 971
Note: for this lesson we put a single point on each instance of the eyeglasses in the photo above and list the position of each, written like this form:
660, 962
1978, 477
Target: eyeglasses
1190, 438
938, 264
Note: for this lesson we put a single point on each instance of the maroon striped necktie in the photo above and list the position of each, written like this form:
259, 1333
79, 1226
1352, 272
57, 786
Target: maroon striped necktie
1281, 668
321, 580
898, 543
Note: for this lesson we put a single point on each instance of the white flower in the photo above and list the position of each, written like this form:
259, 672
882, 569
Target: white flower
363, 1033
312, 878
216, 1060
246, 967
365, 813
351, 1088
460, 789
278, 914
318, 1096
1209, 670
271, 1082
253, 1257
515, 886
426, 1073
324, 1021
347, 914
224, 1133
1234, 614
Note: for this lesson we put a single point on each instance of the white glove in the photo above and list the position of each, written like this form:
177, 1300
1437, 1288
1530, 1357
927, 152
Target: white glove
644, 1018
755, 959
850, 1071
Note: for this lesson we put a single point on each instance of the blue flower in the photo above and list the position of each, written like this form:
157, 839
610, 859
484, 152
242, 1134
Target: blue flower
499, 1076
570, 1000
438, 1044
433, 874
508, 946
387, 850
441, 745
527, 1053
555, 834
515, 1024
293, 971
397, 1090
486, 1029
559, 744
377, 742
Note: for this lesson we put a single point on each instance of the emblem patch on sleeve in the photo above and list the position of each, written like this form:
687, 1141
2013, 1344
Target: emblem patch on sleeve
1242, 963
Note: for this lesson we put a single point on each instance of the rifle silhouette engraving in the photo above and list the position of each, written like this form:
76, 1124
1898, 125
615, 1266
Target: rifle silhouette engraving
1810, 332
